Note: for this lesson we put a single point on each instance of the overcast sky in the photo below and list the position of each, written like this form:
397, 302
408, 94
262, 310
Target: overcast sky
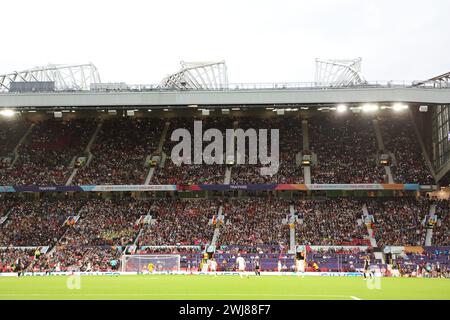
261, 41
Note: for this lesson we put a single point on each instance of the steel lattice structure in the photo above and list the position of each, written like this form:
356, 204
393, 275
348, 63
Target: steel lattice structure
442, 81
66, 77
198, 75
339, 73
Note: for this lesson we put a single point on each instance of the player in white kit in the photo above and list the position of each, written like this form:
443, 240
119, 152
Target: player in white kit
213, 265
240, 261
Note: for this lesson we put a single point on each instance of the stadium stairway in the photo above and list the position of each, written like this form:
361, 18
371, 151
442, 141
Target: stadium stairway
5, 217
306, 170
429, 235
150, 221
74, 170
91, 142
227, 178
53, 247
381, 149
87, 150
228, 169
216, 234
75, 218
305, 135
373, 241
292, 238
21, 141
422, 146
72, 175
135, 242
307, 175
150, 174
152, 169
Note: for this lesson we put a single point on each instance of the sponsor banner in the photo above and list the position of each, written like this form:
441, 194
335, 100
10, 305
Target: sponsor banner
206, 187
50, 274
6, 189
301, 187
374, 186
362, 248
296, 274
313, 274
418, 250
46, 188
224, 187
143, 188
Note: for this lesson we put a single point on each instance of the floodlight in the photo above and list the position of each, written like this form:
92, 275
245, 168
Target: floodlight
341, 108
7, 113
370, 107
398, 107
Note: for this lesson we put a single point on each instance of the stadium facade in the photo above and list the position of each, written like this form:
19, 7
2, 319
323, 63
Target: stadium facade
353, 152
203, 88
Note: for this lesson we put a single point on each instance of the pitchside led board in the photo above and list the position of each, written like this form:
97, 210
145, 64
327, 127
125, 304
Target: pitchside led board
449, 136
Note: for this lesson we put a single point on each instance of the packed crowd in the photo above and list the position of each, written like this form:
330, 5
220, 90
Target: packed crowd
179, 223
340, 259
187, 174
7, 202
11, 131
290, 144
36, 223
432, 262
441, 231
330, 222
46, 155
120, 152
12, 257
253, 222
399, 222
161, 250
106, 223
252, 226
346, 149
78, 258
401, 140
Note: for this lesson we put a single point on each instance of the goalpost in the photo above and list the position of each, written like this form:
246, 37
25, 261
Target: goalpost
141, 263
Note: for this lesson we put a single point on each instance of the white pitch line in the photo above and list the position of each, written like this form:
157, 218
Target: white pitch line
179, 294
355, 298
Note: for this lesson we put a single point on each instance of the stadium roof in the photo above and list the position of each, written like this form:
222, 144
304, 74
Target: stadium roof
217, 98
206, 84
65, 77
198, 75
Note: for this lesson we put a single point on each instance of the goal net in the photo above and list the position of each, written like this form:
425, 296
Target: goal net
147, 263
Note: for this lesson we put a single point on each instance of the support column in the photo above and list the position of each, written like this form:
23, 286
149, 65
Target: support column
429, 235
381, 149
151, 171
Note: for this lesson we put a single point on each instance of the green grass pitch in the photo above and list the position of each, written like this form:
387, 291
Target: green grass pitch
191, 287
